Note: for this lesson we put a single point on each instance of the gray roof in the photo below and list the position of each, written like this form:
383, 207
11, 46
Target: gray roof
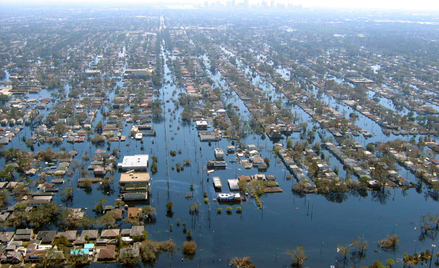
92, 234
70, 235
24, 231
46, 237
137, 230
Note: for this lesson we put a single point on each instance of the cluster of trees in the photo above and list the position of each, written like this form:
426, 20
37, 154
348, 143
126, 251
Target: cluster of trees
154, 165
38, 217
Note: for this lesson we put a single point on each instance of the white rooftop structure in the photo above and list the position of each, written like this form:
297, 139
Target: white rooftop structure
228, 197
233, 184
219, 154
202, 124
135, 162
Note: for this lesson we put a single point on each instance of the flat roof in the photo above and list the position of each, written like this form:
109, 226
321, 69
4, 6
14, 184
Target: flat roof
233, 183
134, 161
135, 177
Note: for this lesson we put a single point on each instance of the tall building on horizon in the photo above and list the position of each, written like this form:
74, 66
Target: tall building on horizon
230, 3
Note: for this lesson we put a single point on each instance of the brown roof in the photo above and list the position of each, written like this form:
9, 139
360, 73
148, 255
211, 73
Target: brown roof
92, 234
125, 232
245, 178
134, 212
110, 233
70, 235
108, 253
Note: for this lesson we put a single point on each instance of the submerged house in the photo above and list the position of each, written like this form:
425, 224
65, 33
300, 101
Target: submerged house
219, 154
228, 197
217, 184
135, 186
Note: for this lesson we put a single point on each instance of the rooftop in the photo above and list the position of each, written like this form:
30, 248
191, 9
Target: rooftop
139, 161
134, 177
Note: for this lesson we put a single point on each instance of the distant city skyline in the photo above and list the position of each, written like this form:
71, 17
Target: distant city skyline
336, 4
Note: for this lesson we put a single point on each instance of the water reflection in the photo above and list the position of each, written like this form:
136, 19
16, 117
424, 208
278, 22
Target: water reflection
336, 197
381, 196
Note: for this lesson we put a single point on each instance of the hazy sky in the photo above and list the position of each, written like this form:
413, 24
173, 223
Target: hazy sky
378, 4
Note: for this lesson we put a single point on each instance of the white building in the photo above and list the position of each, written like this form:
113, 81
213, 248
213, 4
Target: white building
233, 184
134, 162
138, 72
202, 125
219, 154
228, 197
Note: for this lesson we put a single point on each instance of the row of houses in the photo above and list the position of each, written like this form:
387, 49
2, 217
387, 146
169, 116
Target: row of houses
26, 245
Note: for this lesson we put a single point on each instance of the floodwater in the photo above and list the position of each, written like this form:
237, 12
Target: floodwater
318, 223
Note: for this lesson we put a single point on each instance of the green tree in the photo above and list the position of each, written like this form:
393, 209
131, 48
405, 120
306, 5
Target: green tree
42, 215
59, 128
86, 184
107, 183
107, 220
77, 260
4, 195
170, 205
67, 193
370, 147
154, 167
128, 257
156, 108
61, 242
148, 212
189, 234
390, 262
267, 161
99, 206
289, 143
7, 173
52, 258
99, 128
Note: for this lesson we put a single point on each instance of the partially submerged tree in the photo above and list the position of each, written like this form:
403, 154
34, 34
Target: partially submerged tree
360, 244
67, 193
128, 256
99, 207
189, 248
298, 256
244, 262
148, 212
389, 243
170, 205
